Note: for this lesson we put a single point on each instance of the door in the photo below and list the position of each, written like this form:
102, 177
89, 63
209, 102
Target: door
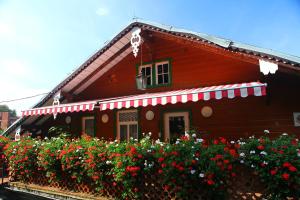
127, 124
175, 125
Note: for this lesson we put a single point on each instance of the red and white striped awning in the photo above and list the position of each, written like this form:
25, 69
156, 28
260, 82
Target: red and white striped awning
62, 108
182, 96
161, 98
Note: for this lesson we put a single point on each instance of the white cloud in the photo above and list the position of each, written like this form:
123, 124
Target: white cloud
102, 11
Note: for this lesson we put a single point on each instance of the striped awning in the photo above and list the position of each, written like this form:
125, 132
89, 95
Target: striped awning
188, 95
62, 108
161, 98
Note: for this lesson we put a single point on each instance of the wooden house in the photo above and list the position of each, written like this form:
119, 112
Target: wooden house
163, 80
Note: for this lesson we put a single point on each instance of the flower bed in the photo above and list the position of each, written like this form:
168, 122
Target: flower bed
190, 168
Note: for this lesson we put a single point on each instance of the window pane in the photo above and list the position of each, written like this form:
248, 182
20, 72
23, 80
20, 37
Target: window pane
166, 78
89, 127
149, 80
166, 68
133, 131
160, 79
148, 71
159, 69
123, 132
143, 71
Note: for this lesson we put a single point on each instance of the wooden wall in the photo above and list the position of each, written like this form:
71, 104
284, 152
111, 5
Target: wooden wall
191, 67
195, 67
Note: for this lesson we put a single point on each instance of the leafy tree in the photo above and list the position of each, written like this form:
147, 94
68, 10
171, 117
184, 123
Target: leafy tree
5, 108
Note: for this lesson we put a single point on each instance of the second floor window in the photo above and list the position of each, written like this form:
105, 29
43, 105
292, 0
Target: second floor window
146, 71
162, 73
157, 74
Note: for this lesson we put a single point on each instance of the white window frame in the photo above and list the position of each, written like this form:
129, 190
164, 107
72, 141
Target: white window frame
184, 114
83, 124
151, 75
156, 72
126, 123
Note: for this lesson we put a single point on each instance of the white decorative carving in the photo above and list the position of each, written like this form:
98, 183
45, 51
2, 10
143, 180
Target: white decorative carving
56, 103
135, 40
267, 67
17, 135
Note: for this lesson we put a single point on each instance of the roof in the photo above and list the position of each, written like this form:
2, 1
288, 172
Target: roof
281, 58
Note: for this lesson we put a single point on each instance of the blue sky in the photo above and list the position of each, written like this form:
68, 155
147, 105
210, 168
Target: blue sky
41, 42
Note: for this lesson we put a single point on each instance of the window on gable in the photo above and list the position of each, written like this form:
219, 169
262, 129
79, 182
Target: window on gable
146, 71
162, 73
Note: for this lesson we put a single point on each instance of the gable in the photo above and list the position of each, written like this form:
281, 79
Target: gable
192, 66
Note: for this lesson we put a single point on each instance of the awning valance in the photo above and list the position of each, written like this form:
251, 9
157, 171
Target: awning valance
62, 108
161, 98
183, 96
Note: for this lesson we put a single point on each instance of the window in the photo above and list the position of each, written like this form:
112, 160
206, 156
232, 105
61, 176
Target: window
162, 73
127, 122
146, 71
157, 73
88, 125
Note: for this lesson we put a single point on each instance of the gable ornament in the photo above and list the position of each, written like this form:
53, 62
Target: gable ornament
267, 67
135, 40
56, 103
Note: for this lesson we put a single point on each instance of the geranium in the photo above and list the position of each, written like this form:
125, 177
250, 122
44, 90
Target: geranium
276, 164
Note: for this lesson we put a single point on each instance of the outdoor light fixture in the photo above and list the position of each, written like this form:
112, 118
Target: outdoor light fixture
206, 111
141, 82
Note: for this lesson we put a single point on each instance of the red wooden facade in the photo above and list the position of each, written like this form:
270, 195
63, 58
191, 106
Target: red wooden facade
192, 65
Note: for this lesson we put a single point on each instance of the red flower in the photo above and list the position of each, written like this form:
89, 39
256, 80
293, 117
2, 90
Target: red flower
233, 174
286, 164
140, 156
166, 187
226, 161
160, 171
210, 182
223, 140
233, 152
218, 156
260, 147
133, 150
163, 165
216, 142
229, 167
173, 164
161, 159
292, 168
273, 172
180, 168
285, 176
